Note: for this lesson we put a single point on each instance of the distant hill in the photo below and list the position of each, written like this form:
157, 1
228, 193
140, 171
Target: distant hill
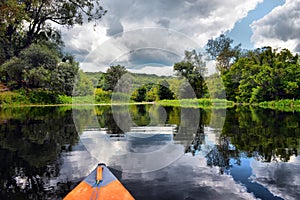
138, 78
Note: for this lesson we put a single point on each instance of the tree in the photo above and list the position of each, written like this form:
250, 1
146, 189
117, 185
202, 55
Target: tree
139, 95
84, 85
112, 76
220, 49
24, 22
264, 75
163, 90
193, 69
63, 77
40, 66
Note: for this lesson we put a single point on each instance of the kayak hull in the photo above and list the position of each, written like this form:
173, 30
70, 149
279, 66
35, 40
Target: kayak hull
108, 188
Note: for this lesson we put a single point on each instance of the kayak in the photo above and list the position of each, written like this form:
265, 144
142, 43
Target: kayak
99, 184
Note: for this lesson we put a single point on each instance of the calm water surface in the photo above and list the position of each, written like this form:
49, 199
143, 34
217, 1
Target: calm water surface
156, 152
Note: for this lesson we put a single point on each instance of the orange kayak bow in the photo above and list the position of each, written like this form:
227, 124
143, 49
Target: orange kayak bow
99, 184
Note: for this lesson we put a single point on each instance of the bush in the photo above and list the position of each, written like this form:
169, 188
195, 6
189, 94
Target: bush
9, 98
64, 99
43, 97
102, 96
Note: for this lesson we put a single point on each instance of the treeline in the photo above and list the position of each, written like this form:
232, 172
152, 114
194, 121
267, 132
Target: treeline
189, 82
263, 75
253, 76
145, 87
247, 76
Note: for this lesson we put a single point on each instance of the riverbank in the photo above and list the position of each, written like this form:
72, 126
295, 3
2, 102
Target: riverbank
42, 98
287, 105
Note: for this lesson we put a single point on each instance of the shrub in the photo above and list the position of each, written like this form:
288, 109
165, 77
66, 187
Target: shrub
102, 96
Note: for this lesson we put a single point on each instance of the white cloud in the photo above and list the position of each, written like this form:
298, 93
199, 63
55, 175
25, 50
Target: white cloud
281, 178
160, 71
279, 28
187, 178
196, 19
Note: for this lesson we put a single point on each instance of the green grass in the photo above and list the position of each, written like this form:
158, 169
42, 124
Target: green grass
282, 105
202, 103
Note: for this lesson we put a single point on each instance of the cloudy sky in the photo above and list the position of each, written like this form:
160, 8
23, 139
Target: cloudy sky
150, 36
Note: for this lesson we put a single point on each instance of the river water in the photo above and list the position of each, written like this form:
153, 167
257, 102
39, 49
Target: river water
156, 152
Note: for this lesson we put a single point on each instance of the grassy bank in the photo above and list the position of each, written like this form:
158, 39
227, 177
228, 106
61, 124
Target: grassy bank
32, 97
47, 98
41, 97
282, 105
202, 103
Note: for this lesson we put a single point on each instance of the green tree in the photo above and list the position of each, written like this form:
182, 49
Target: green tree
139, 95
163, 90
152, 94
63, 78
84, 85
193, 69
40, 67
25, 22
264, 75
221, 50
111, 77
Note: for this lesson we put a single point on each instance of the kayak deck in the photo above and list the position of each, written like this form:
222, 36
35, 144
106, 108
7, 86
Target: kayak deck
99, 184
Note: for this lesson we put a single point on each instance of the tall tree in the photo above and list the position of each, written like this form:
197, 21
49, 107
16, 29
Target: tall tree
193, 69
221, 50
112, 76
164, 91
23, 22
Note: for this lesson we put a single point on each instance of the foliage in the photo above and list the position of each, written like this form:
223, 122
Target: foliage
83, 100
37, 96
109, 80
102, 96
163, 91
215, 86
264, 75
64, 99
139, 95
193, 69
42, 97
8, 98
152, 94
220, 49
84, 86
40, 66
25, 22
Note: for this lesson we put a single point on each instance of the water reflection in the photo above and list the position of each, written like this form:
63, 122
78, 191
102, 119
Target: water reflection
255, 154
32, 140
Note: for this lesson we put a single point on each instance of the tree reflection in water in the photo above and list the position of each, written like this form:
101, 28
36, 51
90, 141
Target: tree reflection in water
33, 140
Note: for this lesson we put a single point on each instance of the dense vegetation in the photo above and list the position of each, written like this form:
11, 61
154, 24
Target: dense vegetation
33, 65
253, 76
35, 69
